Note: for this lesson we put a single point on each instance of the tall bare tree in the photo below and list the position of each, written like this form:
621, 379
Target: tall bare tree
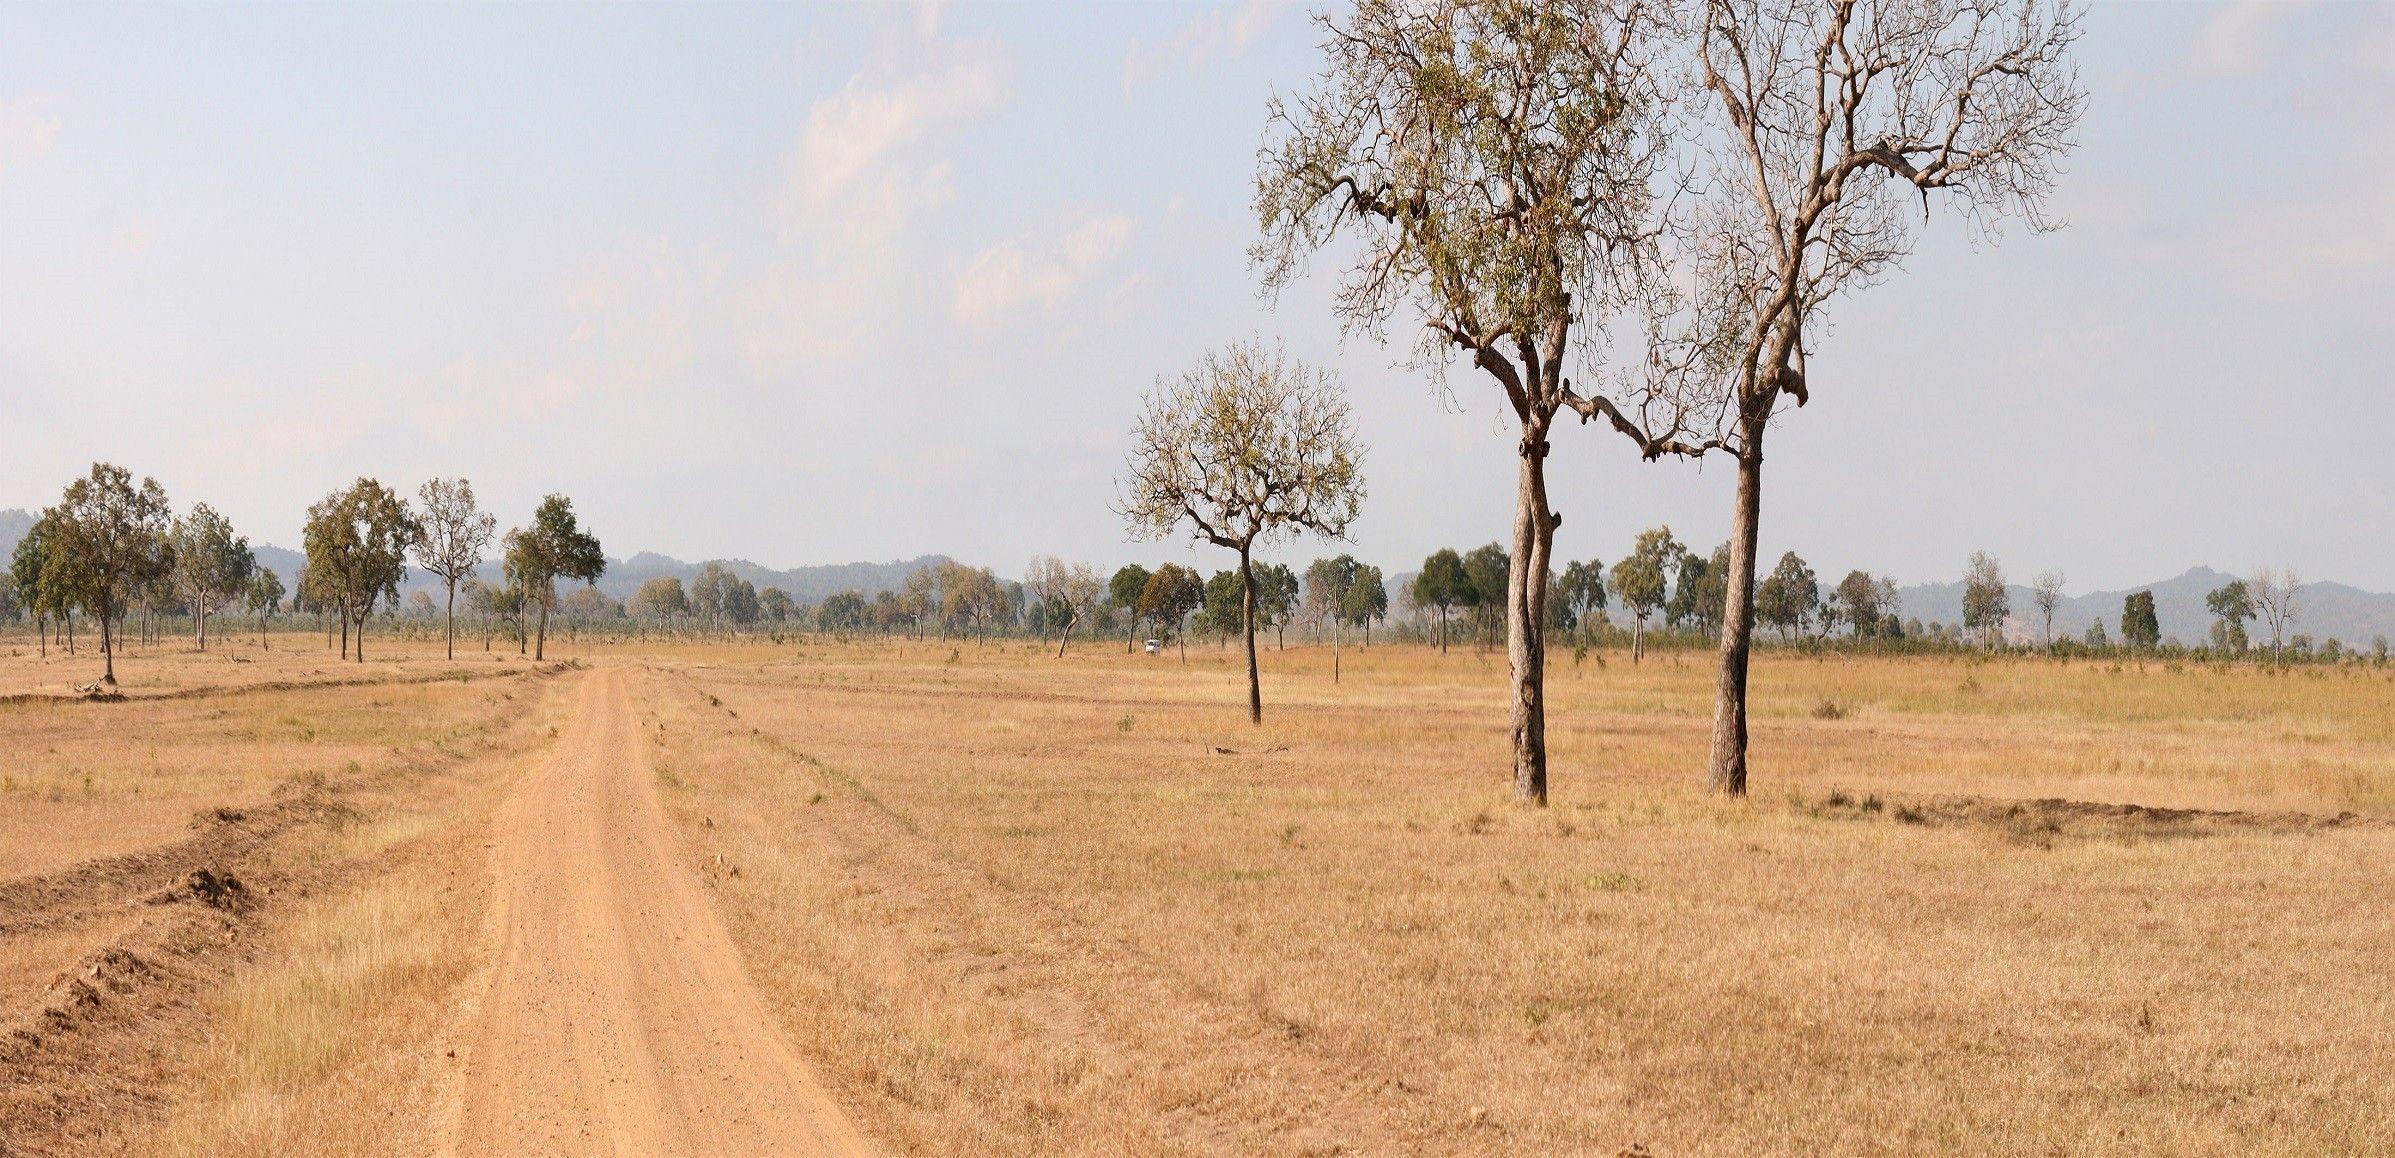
2046, 592
1067, 590
456, 534
1828, 128
1246, 447
2275, 593
211, 564
107, 539
1494, 162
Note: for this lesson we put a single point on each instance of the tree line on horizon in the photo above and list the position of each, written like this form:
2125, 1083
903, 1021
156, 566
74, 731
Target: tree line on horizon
111, 547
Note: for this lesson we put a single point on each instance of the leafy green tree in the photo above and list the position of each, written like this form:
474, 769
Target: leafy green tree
1172, 594
1367, 599
1443, 584
841, 613
661, 599
2095, 635
1686, 605
263, 597
555, 547
776, 604
1986, 600
1123, 590
1642, 581
357, 542
456, 535
1583, 591
211, 565
2139, 626
1856, 599
1247, 448
1224, 597
1789, 596
108, 538
1488, 571
38, 570
2378, 649
1276, 599
2231, 604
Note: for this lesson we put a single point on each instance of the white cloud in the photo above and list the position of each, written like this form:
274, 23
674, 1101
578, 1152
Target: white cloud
27, 131
2237, 37
870, 160
1218, 33
1014, 276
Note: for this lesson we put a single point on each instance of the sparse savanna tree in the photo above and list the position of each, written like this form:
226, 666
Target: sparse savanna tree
1367, 599
1442, 585
1276, 599
1641, 580
554, 547
456, 535
2140, 627
1247, 447
1067, 591
1788, 597
2046, 592
1494, 160
38, 571
210, 565
357, 541
1857, 601
2231, 604
1583, 592
1172, 593
107, 539
1225, 596
2276, 593
659, 600
1822, 132
776, 605
1123, 590
1327, 581
263, 597
1986, 600
1488, 575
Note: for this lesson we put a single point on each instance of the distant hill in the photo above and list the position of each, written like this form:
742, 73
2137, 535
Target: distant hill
13, 526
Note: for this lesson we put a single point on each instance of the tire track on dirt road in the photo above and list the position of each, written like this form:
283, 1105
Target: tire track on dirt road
618, 1017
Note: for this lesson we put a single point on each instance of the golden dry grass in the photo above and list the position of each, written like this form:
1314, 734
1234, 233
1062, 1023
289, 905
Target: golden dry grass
350, 805
1016, 905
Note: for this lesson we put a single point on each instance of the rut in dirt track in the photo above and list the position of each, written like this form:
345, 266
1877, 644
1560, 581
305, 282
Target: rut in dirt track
619, 1019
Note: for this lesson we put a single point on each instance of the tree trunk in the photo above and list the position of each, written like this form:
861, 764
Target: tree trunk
1726, 772
1525, 620
358, 653
199, 613
344, 613
1247, 619
107, 643
540, 649
1068, 633
452, 628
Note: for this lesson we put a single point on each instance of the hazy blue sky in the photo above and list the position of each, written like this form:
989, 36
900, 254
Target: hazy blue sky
829, 283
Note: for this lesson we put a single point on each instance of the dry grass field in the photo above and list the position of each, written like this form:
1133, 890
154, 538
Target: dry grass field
1016, 905
1009, 904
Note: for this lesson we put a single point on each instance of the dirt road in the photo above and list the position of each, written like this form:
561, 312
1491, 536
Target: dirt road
618, 1018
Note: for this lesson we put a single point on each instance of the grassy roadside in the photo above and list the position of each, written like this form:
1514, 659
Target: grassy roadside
332, 1038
